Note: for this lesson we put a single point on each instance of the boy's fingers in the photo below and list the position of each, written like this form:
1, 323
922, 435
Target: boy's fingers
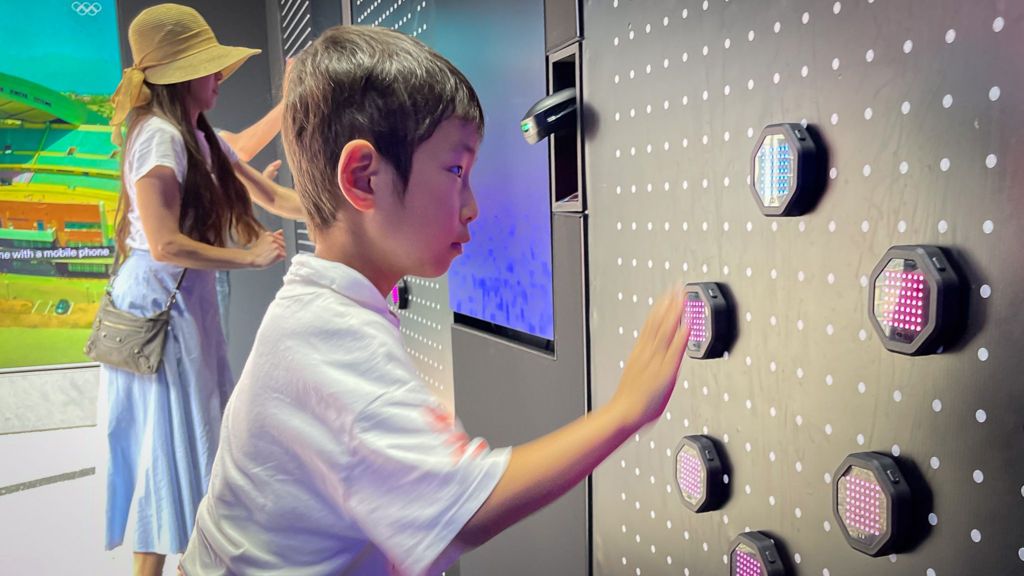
670, 316
677, 349
652, 322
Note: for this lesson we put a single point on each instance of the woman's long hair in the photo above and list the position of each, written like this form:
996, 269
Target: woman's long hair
215, 206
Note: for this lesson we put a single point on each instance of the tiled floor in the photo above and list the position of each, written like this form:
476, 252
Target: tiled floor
57, 529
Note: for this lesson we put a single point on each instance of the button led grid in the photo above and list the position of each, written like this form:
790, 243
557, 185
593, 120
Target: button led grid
916, 303
690, 474
708, 316
400, 295
696, 317
755, 554
746, 563
699, 473
872, 503
862, 505
774, 170
901, 300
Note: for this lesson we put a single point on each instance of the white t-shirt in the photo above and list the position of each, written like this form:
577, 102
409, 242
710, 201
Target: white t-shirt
156, 142
335, 458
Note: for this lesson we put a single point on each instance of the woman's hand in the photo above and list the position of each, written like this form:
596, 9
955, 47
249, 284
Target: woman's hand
269, 249
270, 172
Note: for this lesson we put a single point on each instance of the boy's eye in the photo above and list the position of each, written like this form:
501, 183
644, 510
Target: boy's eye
457, 170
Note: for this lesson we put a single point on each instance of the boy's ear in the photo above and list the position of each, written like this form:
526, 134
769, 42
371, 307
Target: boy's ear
358, 164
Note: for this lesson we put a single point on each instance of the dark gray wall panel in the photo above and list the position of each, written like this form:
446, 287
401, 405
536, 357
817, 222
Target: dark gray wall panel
920, 104
510, 395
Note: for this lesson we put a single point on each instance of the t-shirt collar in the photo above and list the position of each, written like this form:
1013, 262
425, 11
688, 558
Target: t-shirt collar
341, 279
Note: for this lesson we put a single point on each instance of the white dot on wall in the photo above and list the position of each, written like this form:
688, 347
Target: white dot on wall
865, 226
868, 113
804, 71
778, 27
944, 164
993, 93
834, 118
862, 335
950, 36
933, 519
860, 439
828, 478
983, 354
827, 526
937, 405
867, 170
934, 462
997, 24
776, 78
976, 535
905, 108
991, 160
828, 429
947, 100
908, 46
869, 55
904, 167
799, 467
837, 7
943, 226
835, 63
985, 291
978, 476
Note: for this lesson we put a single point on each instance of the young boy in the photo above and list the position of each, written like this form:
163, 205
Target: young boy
334, 457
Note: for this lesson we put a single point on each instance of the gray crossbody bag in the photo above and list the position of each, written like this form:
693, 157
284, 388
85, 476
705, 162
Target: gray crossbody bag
123, 340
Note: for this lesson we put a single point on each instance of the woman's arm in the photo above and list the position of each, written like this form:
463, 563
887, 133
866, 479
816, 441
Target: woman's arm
275, 198
249, 142
158, 196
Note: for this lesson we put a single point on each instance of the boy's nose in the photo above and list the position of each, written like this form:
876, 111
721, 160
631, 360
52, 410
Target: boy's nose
470, 210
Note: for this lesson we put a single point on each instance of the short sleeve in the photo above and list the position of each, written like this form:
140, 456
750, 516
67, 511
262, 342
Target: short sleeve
228, 150
415, 477
157, 143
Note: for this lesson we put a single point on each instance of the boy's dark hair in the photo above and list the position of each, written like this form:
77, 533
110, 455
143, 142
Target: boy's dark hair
365, 83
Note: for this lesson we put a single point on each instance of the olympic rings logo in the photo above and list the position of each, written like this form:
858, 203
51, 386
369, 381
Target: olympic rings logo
87, 8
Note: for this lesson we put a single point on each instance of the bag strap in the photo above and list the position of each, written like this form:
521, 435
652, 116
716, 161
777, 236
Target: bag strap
118, 260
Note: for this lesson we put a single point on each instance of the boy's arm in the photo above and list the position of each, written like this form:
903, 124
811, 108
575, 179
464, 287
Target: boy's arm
542, 470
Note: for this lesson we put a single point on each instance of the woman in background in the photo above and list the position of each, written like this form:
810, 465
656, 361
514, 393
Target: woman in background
186, 201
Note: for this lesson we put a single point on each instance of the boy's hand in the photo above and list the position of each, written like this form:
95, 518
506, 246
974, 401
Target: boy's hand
650, 374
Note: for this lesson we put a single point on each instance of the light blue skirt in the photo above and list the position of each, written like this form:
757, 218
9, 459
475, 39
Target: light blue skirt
163, 429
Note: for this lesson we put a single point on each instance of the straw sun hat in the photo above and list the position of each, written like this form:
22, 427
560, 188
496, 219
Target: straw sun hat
170, 44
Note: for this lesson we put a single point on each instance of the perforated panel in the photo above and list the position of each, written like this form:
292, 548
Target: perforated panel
920, 104
296, 34
426, 326
427, 323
